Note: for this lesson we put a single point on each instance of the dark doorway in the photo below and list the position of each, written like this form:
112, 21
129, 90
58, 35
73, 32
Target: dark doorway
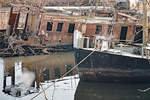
123, 34
138, 35
85, 43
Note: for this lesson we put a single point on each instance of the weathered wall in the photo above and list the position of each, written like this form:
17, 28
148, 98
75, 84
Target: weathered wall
4, 18
54, 36
33, 23
91, 29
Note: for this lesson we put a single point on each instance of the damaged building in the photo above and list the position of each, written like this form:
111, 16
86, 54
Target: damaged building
52, 29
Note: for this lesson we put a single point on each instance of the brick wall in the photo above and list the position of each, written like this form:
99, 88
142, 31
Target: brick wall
65, 37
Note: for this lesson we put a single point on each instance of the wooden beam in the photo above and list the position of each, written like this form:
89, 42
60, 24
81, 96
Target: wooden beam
126, 15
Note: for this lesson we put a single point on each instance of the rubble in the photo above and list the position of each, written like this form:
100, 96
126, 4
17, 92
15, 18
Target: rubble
24, 30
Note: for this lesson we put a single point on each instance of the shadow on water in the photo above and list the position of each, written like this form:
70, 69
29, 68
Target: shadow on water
111, 91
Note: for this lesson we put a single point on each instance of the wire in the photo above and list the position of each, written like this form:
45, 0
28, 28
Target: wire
64, 74
44, 92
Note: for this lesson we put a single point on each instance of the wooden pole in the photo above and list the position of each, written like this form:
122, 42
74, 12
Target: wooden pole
145, 23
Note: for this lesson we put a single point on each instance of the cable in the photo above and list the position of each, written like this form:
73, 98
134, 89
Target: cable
65, 74
44, 93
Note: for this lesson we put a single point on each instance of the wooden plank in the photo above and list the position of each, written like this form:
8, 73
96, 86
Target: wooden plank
126, 15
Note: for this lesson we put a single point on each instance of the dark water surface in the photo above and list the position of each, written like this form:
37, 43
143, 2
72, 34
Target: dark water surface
111, 91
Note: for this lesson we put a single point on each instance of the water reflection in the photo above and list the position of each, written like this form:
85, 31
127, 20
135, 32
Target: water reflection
111, 91
51, 66
24, 75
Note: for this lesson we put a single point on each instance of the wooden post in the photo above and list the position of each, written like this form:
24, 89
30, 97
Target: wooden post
9, 27
15, 30
145, 23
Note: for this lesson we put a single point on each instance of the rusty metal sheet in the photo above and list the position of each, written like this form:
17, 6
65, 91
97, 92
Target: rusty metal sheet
4, 18
22, 20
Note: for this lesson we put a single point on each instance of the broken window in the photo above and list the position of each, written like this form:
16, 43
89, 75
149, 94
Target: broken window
59, 27
123, 4
71, 28
138, 38
123, 33
98, 29
109, 29
49, 26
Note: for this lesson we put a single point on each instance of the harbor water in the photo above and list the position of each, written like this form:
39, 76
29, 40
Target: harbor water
112, 91
50, 67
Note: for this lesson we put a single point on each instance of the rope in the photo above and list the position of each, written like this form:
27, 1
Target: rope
53, 92
145, 90
64, 74
44, 92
